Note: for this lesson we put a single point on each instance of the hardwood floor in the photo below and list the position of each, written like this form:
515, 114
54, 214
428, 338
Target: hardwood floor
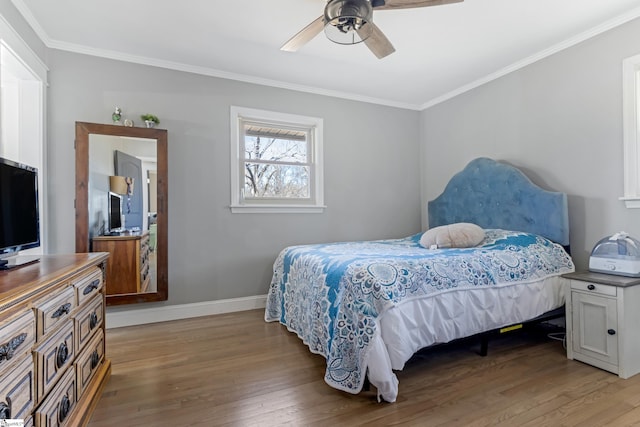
236, 370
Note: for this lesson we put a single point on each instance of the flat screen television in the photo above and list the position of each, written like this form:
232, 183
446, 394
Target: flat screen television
19, 218
115, 212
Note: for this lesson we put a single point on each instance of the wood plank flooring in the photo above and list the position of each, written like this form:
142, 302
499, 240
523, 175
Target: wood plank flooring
236, 370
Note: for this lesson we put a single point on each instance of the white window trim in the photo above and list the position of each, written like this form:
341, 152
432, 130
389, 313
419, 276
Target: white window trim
631, 127
240, 206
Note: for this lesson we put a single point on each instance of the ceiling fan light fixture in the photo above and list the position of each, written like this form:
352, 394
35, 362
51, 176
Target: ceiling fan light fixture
345, 21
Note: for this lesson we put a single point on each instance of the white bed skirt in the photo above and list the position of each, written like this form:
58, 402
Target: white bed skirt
453, 314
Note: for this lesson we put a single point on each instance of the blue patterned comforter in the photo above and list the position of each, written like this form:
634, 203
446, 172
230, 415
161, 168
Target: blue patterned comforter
331, 295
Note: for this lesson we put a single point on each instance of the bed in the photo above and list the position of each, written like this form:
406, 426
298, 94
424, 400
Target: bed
367, 307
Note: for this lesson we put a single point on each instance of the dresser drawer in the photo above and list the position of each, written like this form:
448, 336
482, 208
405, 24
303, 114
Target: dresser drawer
16, 391
17, 336
88, 285
54, 310
53, 357
56, 408
89, 361
28, 422
595, 288
87, 320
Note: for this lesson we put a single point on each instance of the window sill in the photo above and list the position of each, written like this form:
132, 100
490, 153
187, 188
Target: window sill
277, 209
631, 202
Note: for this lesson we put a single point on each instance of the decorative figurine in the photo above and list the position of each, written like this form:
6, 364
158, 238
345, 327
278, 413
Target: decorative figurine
116, 116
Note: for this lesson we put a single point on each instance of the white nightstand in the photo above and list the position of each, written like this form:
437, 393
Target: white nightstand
602, 318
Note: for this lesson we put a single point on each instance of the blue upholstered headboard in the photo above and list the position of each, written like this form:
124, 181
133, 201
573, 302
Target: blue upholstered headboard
495, 195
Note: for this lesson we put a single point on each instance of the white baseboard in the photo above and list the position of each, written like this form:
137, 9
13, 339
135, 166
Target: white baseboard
142, 316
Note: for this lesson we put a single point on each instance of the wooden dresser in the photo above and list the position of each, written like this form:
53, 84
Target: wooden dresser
52, 340
128, 269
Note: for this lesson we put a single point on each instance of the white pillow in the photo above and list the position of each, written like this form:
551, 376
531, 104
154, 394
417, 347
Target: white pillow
459, 235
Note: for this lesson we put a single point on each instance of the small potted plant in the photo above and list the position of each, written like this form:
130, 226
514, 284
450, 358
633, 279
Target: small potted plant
150, 120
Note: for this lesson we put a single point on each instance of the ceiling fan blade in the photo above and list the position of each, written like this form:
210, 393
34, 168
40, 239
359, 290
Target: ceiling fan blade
304, 36
408, 4
377, 42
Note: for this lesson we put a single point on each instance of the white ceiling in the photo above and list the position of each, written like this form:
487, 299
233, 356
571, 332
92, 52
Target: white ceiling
440, 51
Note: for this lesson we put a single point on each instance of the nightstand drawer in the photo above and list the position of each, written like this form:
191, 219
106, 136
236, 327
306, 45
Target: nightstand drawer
54, 310
18, 334
16, 392
88, 285
595, 288
53, 357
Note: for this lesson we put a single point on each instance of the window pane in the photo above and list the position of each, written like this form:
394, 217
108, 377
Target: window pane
275, 149
273, 180
276, 162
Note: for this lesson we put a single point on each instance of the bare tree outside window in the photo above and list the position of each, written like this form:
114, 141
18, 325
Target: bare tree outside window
276, 162
276, 168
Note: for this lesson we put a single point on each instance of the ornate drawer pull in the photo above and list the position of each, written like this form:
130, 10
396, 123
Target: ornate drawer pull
5, 410
62, 355
8, 350
95, 359
91, 287
65, 407
93, 320
64, 309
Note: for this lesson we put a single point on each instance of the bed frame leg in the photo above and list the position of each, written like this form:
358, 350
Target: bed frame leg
484, 345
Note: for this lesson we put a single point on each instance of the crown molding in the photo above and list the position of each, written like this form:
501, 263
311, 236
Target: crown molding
211, 72
12, 41
606, 26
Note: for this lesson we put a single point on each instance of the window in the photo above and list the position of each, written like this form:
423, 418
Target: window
631, 131
276, 162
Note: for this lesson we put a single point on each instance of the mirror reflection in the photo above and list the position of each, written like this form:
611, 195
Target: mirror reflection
121, 199
122, 209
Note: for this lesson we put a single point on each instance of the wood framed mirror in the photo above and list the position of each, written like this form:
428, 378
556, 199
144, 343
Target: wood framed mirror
121, 207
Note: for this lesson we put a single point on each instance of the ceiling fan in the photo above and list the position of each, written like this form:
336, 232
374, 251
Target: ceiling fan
351, 22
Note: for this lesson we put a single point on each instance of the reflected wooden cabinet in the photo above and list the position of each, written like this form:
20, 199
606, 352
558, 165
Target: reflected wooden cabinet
128, 267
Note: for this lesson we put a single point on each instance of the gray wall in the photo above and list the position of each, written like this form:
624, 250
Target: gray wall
560, 120
23, 29
371, 152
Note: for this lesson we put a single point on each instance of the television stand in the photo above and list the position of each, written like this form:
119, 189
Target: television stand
18, 261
